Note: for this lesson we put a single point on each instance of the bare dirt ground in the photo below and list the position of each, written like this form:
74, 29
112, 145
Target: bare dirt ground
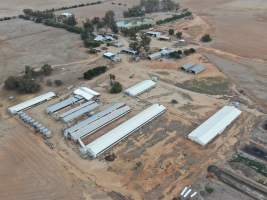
27, 43
225, 16
30, 170
118, 6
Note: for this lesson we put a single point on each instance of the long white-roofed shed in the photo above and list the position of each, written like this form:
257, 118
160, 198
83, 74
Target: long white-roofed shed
140, 88
31, 102
117, 134
86, 93
215, 125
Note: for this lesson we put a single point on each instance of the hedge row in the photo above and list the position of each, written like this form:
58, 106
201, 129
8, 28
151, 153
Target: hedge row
175, 17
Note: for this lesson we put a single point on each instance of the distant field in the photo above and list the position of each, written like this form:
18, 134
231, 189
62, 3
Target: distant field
27, 43
240, 26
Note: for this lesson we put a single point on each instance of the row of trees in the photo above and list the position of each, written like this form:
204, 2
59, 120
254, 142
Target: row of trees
174, 18
179, 54
27, 83
149, 6
91, 73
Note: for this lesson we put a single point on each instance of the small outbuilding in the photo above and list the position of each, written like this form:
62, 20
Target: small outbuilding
193, 68
153, 34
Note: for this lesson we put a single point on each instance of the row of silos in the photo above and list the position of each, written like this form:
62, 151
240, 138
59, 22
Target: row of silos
35, 124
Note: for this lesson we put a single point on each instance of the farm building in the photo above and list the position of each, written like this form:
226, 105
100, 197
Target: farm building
155, 56
111, 56
105, 142
129, 51
196, 69
164, 37
100, 123
214, 126
86, 93
95, 117
63, 104
31, 102
153, 33
193, 68
141, 87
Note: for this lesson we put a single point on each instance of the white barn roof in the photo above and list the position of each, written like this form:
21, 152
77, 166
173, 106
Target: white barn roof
31, 102
86, 93
215, 125
140, 87
114, 136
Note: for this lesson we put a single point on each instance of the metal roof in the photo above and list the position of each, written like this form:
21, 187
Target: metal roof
86, 93
31, 102
62, 104
93, 118
100, 123
109, 54
187, 66
215, 125
80, 112
75, 109
155, 56
196, 69
114, 136
140, 87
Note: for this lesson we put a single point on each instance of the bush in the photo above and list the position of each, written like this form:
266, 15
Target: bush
110, 157
116, 88
91, 43
46, 69
91, 73
206, 38
209, 189
11, 83
171, 31
176, 54
28, 86
174, 101
92, 51
49, 83
58, 82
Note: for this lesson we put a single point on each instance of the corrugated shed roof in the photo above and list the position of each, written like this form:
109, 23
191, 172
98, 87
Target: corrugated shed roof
62, 104
86, 93
214, 125
196, 69
31, 102
93, 118
100, 123
140, 87
114, 136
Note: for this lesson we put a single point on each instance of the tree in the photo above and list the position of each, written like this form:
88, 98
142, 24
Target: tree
179, 35
28, 86
70, 20
145, 42
135, 11
116, 88
28, 72
88, 26
168, 5
109, 21
58, 82
206, 38
135, 46
171, 31
46, 69
11, 83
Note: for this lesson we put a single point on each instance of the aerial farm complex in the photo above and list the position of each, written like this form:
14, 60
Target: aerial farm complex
133, 100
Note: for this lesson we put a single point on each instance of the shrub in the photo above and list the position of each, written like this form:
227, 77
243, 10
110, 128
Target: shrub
58, 82
116, 88
91, 73
176, 54
49, 83
92, 51
206, 38
91, 43
28, 86
11, 83
46, 69
171, 31
209, 189
110, 157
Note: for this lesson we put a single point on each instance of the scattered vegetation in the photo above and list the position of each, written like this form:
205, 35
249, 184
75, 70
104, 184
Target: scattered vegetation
91, 73
135, 11
142, 44
58, 82
211, 85
253, 164
28, 82
206, 38
179, 35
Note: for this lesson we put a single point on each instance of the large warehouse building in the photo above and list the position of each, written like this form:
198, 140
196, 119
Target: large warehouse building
214, 126
122, 131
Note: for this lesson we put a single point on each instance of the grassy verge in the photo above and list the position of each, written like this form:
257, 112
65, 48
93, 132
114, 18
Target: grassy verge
213, 86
